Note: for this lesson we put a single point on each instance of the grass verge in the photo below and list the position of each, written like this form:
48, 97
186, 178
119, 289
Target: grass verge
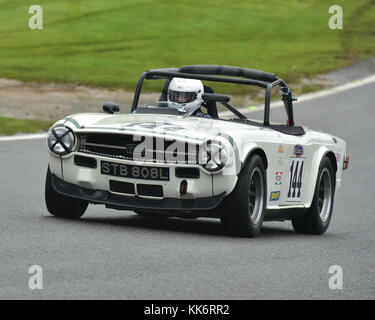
9, 126
110, 43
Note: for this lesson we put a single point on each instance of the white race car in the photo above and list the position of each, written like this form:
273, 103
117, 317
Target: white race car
158, 160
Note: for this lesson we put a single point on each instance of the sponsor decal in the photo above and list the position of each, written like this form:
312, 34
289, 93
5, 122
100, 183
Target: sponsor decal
334, 139
279, 178
298, 150
281, 149
295, 179
275, 196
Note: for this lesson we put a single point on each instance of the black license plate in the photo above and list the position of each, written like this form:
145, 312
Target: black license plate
132, 171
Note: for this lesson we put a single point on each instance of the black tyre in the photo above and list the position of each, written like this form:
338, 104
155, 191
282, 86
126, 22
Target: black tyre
316, 219
242, 212
60, 205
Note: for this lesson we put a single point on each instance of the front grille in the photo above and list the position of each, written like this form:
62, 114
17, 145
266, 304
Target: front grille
124, 146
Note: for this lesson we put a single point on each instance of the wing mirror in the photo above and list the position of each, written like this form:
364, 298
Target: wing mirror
111, 107
215, 97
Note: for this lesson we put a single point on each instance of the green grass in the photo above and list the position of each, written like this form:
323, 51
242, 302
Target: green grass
110, 43
307, 88
9, 126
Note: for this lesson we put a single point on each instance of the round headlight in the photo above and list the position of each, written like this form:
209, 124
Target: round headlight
60, 140
213, 157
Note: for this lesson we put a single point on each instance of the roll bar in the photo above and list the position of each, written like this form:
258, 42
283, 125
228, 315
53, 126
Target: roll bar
220, 74
230, 71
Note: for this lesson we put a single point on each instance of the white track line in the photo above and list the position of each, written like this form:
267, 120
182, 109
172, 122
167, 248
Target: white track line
278, 104
31, 136
310, 96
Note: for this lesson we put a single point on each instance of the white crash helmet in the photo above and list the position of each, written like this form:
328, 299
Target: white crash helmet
185, 94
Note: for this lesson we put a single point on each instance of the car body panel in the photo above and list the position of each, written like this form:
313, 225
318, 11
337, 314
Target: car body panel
239, 139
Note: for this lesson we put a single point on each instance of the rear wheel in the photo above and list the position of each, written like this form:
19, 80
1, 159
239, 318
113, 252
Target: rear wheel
317, 218
242, 212
60, 205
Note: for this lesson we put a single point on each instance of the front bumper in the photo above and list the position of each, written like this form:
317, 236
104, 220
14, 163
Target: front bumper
135, 202
92, 178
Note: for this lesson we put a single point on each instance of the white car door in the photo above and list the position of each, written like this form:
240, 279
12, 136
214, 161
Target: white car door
296, 157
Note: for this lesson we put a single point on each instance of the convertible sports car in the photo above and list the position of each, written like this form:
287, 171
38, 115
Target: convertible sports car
159, 161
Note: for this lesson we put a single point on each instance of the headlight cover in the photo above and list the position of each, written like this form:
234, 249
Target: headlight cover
60, 140
213, 157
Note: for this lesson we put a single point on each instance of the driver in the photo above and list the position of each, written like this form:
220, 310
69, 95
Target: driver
186, 95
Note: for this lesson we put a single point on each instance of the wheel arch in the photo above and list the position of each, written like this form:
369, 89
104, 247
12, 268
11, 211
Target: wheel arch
331, 156
260, 152
255, 150
320, 155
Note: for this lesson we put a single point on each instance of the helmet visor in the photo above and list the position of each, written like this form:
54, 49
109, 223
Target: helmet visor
181, 97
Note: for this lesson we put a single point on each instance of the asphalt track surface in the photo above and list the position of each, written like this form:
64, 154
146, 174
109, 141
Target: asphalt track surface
118, 255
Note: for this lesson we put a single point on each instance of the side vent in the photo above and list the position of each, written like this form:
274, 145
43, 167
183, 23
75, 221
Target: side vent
85, 161
121, 187
184, 172
151, 190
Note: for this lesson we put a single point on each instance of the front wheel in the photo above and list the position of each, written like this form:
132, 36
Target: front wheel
317, 218
60, 205
242, 212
